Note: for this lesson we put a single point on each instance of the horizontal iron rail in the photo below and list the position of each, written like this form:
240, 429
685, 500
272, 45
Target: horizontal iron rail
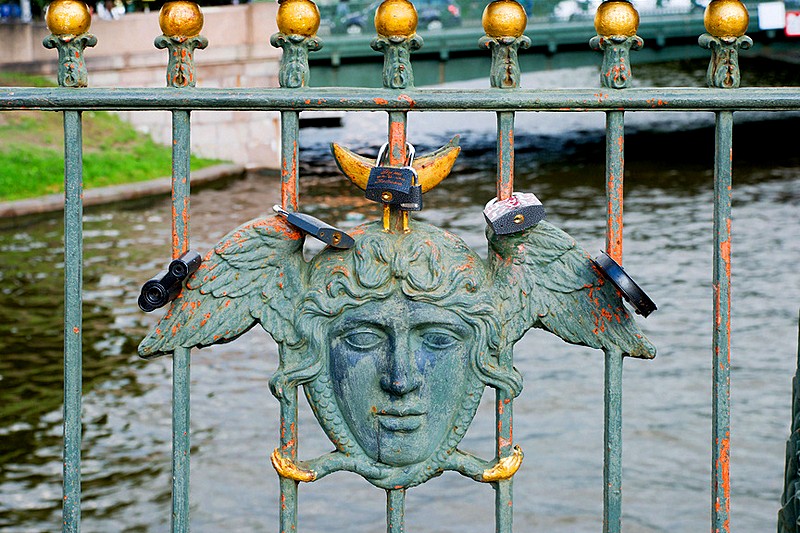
638, 99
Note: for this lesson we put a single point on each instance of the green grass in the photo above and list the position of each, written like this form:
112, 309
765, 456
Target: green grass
32, 148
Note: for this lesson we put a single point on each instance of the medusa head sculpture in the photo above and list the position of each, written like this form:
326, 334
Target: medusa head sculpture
395, 339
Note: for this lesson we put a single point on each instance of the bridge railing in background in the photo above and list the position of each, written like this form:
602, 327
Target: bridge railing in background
616, 24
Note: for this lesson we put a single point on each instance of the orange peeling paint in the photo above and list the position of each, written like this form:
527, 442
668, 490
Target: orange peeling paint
406, 98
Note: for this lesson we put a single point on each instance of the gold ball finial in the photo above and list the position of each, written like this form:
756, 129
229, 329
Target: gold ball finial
298, 17
726, 18
504, 18
180, 19
68, 17
396, 18
616, 17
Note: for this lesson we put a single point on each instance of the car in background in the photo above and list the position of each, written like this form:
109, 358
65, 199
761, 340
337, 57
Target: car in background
432, 15
10, 12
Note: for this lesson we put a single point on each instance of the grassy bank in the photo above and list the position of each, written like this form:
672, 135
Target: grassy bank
31, 150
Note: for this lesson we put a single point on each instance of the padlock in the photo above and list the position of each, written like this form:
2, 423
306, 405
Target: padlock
632, 293
313, 226
519, 212
414, 202
165, 287
395, 185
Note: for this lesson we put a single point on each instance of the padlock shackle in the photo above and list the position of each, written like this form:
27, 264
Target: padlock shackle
410, 153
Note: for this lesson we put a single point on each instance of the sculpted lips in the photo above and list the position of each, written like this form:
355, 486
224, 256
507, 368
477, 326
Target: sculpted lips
406, 419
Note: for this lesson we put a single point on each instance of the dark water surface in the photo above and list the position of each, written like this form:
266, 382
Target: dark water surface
558, 417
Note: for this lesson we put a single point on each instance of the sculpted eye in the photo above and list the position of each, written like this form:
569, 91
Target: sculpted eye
439, 339
364, 339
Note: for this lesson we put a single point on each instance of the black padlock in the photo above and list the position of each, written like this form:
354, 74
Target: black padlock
632, 293
331, 236
395, 185
414, 202
519, 212
165, 287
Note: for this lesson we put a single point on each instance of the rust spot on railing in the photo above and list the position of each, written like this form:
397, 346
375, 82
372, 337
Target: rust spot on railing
723, 468
408, 99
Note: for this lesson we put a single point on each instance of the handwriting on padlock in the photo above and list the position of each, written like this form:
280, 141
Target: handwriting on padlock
394, 177
397, 186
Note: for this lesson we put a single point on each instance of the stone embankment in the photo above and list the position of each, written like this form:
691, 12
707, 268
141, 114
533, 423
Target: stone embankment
238, 55
118, 193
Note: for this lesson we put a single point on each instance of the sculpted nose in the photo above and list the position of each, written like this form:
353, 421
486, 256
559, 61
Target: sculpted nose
402, 375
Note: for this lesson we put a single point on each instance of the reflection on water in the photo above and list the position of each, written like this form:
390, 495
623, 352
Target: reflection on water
559, 419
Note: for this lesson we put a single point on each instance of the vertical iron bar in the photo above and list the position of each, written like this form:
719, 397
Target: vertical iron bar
504, 490
181, 153
395, 511
505, 402
290, 126
612, 396
721, 424
398, 135
288, 503
73, 317
505, 154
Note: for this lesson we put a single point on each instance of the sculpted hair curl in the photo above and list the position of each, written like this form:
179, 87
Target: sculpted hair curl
427, 265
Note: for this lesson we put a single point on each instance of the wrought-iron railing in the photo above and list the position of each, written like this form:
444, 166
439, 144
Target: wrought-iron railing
504, 22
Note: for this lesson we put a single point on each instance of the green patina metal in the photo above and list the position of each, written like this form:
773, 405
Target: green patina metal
721, 390
72, 73
505, 71
395, 340
723, 73
396, 49
180, 69
71, 65
294, 71
405, 328
723, 69
73, 316
612, 469
451, 100
615, 73
789, 514
616, 70
181, 441
504, 74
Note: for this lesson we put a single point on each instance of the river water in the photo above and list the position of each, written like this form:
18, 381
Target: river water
559, 415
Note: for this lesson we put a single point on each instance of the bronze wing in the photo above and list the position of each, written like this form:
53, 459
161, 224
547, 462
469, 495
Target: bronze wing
545, 280
255, 274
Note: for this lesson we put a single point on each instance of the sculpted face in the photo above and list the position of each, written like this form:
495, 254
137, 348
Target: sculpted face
399, 370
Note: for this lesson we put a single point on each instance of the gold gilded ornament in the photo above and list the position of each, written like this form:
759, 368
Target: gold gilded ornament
431, 168
505, 467
504, 18
286, 468
726, 18
396, 18
616, 17
180, 19
68, 17
298, 17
